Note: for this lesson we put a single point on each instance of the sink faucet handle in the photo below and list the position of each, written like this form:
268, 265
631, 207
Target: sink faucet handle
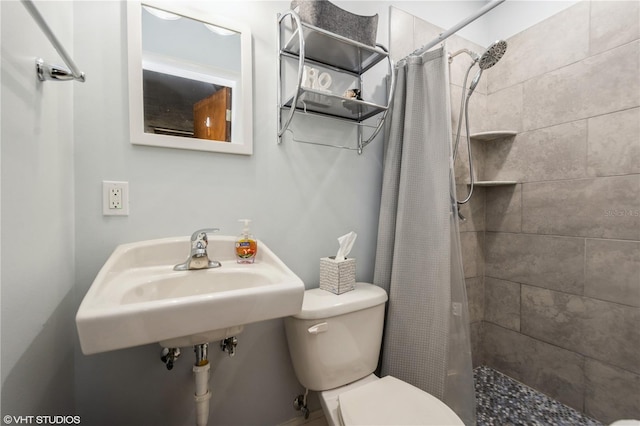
199, 240
201, 234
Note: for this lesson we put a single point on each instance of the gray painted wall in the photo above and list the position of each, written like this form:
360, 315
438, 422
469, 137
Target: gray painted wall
300, 197
38, 263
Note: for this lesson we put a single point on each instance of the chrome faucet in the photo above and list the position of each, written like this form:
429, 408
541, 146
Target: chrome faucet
199, 258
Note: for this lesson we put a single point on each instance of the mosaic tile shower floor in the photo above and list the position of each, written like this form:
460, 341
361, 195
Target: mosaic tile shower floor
502, 401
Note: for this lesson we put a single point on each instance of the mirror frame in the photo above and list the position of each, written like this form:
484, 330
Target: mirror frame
242, 138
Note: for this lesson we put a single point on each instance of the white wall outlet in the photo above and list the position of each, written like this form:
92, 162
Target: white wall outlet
115, 198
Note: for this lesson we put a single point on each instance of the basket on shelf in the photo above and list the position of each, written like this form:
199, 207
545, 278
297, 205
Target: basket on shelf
326, 15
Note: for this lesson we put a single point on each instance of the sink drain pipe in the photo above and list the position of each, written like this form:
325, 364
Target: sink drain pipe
201, 373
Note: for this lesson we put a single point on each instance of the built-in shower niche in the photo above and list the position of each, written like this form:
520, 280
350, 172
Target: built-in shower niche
495, 147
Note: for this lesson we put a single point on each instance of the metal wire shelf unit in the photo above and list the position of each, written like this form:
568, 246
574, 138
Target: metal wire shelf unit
308, 44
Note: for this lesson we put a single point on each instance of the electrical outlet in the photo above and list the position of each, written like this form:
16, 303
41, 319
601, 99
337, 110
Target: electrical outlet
115, 198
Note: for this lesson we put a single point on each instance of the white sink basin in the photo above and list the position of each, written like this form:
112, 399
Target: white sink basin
137, 298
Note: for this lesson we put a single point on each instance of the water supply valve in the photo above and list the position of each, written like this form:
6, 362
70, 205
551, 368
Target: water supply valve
228, 345
169, 356
300, 404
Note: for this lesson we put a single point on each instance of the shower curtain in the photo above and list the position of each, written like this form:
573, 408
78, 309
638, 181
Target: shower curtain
418, 261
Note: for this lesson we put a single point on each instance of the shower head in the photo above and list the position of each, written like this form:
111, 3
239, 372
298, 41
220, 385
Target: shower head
489, 58
492, 55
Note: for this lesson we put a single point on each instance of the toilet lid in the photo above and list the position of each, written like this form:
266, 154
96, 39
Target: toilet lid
390, 401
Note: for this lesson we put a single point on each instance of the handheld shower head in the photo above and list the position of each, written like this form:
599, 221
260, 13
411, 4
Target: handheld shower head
489, 58
492, 55
474, 82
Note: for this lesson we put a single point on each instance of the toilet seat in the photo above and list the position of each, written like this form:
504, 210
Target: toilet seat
389, 401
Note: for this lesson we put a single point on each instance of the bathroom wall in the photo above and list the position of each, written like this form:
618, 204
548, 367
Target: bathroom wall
562, 249
37, 178
60, 140
301, 197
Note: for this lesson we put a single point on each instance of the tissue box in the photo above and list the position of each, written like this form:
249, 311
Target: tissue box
337, 276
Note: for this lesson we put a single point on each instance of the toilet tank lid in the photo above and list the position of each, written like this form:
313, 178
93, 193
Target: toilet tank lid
318, 303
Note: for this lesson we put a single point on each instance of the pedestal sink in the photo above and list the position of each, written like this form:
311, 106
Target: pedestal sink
137, 298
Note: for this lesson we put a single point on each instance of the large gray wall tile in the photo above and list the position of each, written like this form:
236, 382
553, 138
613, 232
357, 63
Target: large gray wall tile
541, 260
607, 207
552, 153
613, 23
614, 143
611, 393
475, 297
502, 303
424, 32
477, 356
472, 253
473, 211
602, 330
400, 33
503, 208
550, 369
584, 89
504, 109
553, 43
613, 271
477, 106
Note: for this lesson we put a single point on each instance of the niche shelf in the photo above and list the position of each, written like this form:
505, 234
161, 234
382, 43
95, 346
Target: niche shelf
494, 182
493, 135
489, 136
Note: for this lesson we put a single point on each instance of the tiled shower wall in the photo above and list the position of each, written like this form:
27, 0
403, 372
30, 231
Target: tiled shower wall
562, 249
553, 263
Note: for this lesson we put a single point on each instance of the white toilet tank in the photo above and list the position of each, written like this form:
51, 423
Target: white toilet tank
335, 339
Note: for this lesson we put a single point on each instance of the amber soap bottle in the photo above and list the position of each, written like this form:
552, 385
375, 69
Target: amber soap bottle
246, 244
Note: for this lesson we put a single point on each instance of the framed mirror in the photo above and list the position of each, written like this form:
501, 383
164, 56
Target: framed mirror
190, 79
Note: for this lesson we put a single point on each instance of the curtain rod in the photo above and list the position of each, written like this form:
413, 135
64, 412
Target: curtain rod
54, 72
486, 8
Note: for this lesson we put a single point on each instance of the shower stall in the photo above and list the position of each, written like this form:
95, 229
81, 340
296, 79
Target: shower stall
551, 251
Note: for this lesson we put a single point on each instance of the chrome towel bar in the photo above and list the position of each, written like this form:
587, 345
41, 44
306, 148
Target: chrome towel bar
45, 70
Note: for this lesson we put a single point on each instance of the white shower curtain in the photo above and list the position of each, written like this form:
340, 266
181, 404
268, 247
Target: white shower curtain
418, 261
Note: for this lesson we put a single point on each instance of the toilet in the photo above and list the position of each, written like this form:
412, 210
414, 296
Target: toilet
334, 344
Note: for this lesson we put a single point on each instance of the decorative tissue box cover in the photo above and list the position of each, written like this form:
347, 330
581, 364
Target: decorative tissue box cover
337, 276
326, 15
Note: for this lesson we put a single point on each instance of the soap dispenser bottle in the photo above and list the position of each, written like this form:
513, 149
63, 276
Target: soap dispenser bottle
246, 244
